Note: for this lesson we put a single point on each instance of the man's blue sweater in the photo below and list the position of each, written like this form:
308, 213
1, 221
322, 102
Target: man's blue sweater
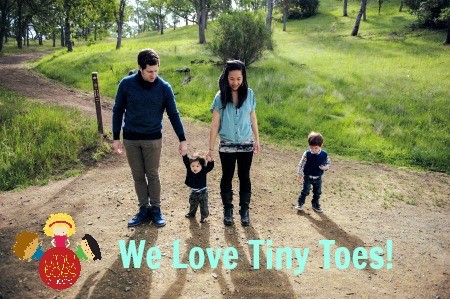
143, 104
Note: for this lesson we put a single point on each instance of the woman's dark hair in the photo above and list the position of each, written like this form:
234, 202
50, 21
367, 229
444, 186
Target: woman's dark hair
148, 57
225, 89
93, 245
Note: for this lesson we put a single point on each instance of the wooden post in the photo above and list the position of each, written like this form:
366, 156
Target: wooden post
98, 107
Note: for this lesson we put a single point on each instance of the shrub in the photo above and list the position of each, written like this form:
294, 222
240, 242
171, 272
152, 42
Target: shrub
303, 9
240, 35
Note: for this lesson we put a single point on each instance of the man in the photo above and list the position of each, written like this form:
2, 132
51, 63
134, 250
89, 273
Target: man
141, 100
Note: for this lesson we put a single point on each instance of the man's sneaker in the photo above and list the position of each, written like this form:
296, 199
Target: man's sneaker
299, 207
318, 209
157, 216
202, 220
189, 215
142, 216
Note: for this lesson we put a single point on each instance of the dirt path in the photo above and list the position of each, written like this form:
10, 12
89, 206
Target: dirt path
365, 205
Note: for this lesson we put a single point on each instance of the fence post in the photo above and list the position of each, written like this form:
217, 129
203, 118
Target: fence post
98, 107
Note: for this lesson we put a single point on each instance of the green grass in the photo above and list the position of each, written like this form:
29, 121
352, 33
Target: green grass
39, 141
381, 97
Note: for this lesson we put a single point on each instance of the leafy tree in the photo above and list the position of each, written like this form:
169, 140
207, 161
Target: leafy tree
6, 7
240, 35
429, 11
445, 17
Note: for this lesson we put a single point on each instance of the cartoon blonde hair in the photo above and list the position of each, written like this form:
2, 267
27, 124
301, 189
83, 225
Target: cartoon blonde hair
23, 240
59, 220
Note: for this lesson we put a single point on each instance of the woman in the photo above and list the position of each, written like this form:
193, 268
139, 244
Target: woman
234, 120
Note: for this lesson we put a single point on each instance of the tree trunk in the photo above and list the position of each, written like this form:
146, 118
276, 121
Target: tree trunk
401, 6
358, 17
379, 6
67, 34
19, 31
269, 15
63, 42
119, 20
54, 39
447, 40
344, 12
364, 13
202, 22
161, 24
284, 18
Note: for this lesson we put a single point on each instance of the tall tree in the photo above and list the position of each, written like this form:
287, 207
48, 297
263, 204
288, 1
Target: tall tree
269, 15
358, 17
344, 12
119, 15
6, 6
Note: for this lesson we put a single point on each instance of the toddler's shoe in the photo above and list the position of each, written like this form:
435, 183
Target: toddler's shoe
299, 207
318, 209
188, 215
202, 220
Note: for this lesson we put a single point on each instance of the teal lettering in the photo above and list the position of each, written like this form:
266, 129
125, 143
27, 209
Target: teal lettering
357, 257
176, 256
131, 253
326, 252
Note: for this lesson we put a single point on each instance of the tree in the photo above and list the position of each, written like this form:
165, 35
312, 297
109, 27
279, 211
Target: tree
429, 12
119, 15
240, 35
269, 15
344, 13
6, 6
358, 17
445, 16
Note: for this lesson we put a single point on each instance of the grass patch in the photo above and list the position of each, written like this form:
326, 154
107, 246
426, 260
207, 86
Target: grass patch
39, 141
370, 96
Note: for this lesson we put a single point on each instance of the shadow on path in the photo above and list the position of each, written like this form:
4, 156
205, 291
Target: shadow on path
331, 231
250, 283
118, 282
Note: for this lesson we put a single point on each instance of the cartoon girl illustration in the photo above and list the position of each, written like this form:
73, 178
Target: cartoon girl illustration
60, 226
27, 246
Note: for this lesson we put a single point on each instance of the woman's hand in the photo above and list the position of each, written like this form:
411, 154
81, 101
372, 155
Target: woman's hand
256, 147
209, 156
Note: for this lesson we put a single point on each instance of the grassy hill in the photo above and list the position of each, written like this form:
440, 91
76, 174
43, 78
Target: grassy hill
383, 96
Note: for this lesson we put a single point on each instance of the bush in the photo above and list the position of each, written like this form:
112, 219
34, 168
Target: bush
240, 35
302, 9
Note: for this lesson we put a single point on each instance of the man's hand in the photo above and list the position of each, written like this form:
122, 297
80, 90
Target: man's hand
118, 147
299, 178
182, 148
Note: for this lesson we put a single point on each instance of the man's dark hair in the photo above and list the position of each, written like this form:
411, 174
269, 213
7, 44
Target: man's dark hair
225, 89
93, 245
147, 57
315, 139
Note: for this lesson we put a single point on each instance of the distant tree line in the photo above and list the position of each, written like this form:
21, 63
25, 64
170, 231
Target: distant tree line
68, 20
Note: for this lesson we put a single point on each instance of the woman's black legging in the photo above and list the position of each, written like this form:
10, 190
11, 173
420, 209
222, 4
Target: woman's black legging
244, 162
